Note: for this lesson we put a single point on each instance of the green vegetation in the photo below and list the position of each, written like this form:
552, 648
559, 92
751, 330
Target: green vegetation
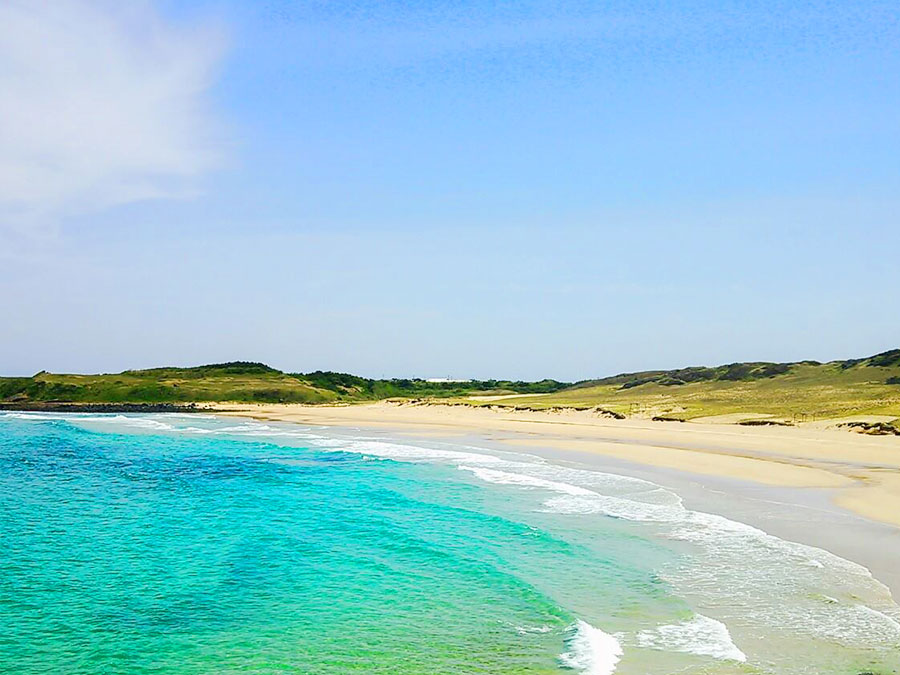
360, 388
241, 381
801, 391
238, 381
781, 391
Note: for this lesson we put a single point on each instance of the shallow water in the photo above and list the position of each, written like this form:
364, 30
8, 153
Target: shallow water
192, 544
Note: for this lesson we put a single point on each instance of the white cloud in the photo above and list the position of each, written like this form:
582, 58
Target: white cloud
101, 103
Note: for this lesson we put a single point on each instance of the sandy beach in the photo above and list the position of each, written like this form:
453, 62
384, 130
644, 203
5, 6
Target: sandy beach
821, 486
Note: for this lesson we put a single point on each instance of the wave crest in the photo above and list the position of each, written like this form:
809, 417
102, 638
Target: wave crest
590, 650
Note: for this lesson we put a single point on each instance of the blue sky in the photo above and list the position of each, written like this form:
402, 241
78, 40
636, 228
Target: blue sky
526, 190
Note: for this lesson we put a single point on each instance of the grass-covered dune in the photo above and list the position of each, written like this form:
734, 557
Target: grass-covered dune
798, 391
240, 381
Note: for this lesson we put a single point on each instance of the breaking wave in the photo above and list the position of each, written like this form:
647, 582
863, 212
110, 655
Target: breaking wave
590, 650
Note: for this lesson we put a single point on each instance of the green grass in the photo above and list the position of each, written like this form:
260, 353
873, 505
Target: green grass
801, 391
793, 391
353, 387
166, 385
239, 381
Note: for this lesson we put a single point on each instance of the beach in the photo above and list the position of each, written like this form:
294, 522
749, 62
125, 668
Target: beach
199, 542
814, 484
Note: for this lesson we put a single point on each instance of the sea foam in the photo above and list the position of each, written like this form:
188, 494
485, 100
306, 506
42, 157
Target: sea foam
699, 635
590, 650
735, 564
28, 416
523, 480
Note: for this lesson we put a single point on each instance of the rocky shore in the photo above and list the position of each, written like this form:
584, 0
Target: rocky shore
56, 406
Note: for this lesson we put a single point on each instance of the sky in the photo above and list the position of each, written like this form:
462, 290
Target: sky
447, 189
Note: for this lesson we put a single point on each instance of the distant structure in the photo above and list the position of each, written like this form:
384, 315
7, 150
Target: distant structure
440, 380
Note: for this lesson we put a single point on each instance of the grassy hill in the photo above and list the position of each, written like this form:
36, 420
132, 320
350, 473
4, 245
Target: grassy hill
241, 381
799, 391
784, 391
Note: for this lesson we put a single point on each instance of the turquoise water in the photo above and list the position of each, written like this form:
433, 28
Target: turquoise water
189, 544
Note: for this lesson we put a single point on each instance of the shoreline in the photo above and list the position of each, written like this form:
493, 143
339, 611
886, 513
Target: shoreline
830, 489
54, 406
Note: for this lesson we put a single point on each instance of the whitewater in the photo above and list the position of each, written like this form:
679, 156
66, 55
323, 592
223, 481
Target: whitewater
472, 558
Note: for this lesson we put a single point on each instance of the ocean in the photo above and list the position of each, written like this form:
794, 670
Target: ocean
189, 544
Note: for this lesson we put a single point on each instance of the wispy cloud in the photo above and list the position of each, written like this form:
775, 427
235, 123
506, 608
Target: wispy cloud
101, 103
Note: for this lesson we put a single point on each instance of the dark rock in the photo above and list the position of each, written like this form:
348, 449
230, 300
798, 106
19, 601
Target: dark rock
872, 428
764, 423
56, 406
